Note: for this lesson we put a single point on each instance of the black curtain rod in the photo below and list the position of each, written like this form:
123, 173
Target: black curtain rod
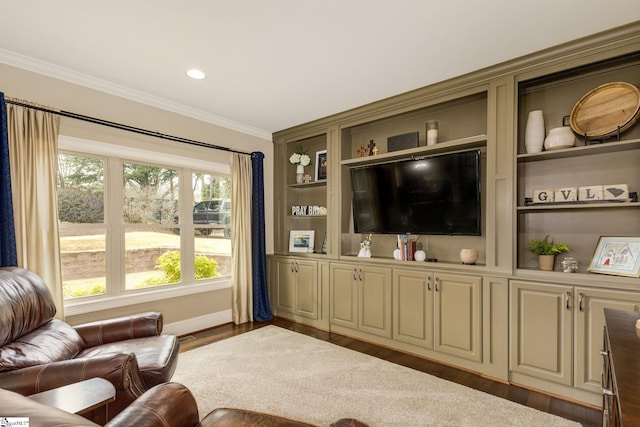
125, 127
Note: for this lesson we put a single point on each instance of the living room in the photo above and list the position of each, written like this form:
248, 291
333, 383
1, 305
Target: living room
40, 81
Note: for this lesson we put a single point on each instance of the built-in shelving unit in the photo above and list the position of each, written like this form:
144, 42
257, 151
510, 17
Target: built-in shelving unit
462, 125
312, 193
518, 308
588, 163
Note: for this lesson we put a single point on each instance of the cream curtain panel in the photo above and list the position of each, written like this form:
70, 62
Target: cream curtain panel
33, 156
242, 298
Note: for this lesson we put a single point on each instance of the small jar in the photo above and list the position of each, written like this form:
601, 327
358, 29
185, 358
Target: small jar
432, 132
569, 265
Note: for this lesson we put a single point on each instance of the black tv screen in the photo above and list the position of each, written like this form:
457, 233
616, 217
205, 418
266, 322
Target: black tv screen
432, 195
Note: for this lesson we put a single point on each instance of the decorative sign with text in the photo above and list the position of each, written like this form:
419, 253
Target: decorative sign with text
304, 210
592, 193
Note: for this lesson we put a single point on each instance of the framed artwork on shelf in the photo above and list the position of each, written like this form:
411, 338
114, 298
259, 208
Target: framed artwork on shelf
619, 256
301, 240
321, 165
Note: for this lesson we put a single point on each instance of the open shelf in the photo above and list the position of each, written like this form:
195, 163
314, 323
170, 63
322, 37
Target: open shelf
467, 143
558, 206
594, 148
308, 184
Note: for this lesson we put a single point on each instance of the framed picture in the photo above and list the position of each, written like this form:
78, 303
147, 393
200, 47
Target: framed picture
619, 256
301, 240
321, 165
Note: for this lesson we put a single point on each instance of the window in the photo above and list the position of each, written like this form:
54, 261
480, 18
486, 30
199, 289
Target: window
130, 226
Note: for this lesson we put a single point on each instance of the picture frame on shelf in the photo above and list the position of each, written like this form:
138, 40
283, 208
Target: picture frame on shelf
619, 256
301, 240
321, 165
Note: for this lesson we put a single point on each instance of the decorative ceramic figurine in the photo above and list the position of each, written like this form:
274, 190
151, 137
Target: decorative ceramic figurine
365, 248
469, 255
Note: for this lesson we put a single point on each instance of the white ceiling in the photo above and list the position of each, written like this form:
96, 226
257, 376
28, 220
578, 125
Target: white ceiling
272, 64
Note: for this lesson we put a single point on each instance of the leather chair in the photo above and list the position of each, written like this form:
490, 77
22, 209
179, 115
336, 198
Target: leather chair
166, 405
38, 352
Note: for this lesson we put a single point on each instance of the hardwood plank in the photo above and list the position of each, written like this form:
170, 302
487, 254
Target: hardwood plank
587, 416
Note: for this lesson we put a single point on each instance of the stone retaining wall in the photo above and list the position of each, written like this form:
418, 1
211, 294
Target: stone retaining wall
88, 264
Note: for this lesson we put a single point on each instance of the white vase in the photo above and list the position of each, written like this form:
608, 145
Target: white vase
534, 132
469, 255
562, 137
299, 174
419, 255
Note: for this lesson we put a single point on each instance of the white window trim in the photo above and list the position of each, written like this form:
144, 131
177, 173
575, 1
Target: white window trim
82, 306
74, 307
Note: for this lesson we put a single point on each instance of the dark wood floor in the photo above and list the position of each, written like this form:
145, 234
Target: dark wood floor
585, 415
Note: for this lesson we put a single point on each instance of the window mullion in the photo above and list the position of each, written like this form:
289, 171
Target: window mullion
115, 228
187, 231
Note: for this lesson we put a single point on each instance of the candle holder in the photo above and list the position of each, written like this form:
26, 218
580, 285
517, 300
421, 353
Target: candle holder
432, 132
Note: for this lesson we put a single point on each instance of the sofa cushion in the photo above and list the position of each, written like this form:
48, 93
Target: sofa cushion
25, 303
52, 342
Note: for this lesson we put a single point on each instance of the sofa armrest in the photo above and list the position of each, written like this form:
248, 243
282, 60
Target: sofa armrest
121, 328
119, 369
167, 404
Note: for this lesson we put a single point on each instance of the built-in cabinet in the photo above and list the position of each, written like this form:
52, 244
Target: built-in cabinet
361, 298
556, 331
297, 287
439, 311
501, 317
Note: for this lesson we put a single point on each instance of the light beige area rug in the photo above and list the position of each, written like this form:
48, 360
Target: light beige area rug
293, 375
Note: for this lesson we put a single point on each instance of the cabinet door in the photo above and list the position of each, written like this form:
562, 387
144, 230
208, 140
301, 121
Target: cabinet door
343, 292
285, 285
458, 315
374, 296
413, 307
541, 324
306, 295
589, 318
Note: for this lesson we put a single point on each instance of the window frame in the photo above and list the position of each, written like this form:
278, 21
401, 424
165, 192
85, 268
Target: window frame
115, 226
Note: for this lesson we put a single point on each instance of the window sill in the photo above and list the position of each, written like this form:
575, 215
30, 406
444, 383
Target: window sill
86, 305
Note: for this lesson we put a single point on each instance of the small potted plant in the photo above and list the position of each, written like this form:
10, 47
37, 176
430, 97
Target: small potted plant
546, 251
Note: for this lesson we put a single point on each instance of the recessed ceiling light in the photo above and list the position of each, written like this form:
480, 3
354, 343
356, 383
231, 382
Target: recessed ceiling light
194, 73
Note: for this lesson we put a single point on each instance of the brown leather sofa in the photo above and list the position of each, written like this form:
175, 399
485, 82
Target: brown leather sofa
39, 352
166, 405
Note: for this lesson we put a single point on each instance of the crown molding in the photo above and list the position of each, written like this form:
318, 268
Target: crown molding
65, 74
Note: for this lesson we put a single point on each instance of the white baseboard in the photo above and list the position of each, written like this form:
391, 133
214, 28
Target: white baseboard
185, 327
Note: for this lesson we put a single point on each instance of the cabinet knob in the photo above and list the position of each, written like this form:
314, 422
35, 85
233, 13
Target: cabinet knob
437, 287
567, 298
428, 283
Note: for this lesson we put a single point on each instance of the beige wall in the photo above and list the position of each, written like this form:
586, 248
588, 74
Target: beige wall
59, 94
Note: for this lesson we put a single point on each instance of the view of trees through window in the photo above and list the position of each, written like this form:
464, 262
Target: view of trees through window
125, 232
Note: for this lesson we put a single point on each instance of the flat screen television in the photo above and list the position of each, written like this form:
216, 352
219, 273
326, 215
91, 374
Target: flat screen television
431, 195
